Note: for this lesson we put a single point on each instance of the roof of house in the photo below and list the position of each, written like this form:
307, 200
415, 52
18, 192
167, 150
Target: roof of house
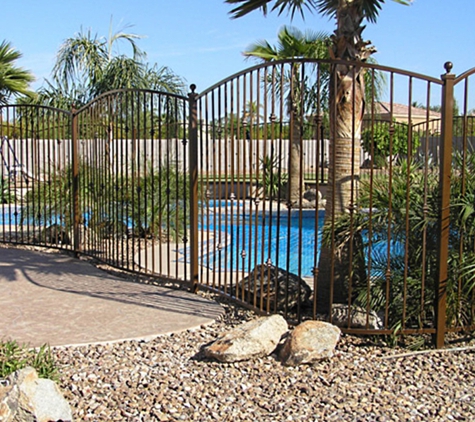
381, 107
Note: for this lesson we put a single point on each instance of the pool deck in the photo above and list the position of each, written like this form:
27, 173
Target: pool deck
53, 298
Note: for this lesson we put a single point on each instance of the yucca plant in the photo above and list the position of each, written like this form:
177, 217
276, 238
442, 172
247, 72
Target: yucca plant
158, 205
49, 202
272, 180
149, 201
461, 284
397, 218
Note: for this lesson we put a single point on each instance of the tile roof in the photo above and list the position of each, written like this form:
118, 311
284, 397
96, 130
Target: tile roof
403, 110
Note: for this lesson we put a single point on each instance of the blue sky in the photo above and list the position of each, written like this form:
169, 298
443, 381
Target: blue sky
198, 40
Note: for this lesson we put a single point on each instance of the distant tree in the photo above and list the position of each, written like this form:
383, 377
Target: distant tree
293, 43
88, 65
387, 138
437, 108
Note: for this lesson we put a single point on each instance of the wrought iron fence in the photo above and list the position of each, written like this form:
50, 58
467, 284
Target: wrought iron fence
237, 189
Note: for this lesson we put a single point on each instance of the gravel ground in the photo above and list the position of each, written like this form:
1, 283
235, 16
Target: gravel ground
168, 379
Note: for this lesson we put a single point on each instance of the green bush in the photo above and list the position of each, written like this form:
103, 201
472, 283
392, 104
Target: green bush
405, 206
387, 139
7, 195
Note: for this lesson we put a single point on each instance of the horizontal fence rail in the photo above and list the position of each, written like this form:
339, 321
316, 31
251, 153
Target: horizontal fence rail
264, 189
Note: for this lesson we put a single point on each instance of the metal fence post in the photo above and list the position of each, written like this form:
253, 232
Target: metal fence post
75, 181
444, 211
193, 163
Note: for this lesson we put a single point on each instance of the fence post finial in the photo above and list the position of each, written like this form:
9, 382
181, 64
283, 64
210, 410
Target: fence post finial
448, 66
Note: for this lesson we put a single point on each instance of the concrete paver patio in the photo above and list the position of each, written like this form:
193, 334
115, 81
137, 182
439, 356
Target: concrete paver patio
56, 299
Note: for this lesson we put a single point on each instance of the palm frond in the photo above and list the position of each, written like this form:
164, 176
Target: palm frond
164, 79
262, 50
369, 9
247, 6
291, 6
79, 58
122, 72
14, 80
120, 35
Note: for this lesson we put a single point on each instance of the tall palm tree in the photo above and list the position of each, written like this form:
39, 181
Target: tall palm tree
88, 65
86, 59
347, 97
293, 43
14, 80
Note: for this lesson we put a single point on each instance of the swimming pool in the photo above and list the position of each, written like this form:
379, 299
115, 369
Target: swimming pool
242, 238
235, 236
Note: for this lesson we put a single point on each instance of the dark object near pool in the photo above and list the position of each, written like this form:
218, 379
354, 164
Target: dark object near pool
56, 234
262, 281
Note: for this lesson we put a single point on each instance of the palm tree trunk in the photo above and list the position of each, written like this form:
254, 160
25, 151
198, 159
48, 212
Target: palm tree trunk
344, 168
294, 183
295, 150
347, 93
346, 117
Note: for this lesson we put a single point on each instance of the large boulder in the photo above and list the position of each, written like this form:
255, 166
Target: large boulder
357, 317
284, 290
27, 398
253, 339
310, 342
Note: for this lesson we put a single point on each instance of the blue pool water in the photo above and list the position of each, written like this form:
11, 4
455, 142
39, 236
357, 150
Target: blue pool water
11, 215
244, 241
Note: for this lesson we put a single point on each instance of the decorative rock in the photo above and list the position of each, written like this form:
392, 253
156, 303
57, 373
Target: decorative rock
56, 234
312, 195
358, 317
263, 279
310, 342
253, 339
27, 398
306, 204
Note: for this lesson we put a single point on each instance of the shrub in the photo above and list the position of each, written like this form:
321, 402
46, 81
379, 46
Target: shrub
404, 207
387, 139
7, 195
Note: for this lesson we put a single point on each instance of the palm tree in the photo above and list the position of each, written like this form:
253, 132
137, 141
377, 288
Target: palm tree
347, 98
293, 43
88, 65
14, 81
87, 59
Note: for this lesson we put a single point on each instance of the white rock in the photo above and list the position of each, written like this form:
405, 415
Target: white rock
28, 398
253, 339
